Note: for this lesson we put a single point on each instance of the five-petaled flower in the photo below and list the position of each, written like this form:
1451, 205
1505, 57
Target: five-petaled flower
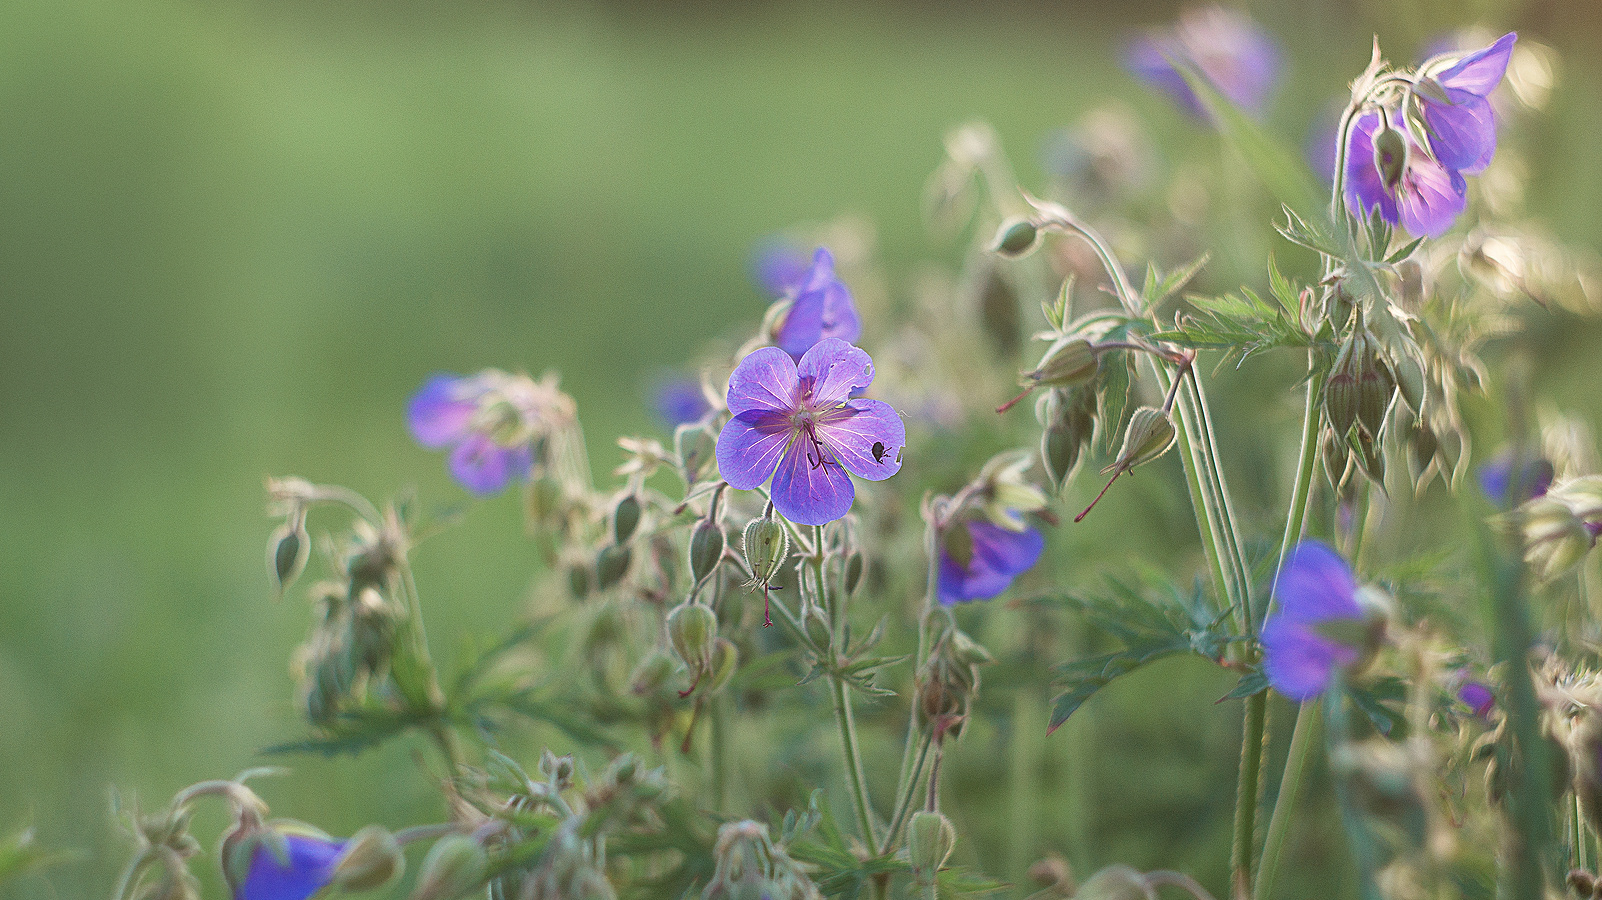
820, 308
799, 425
1222, 46
490, 422
281, 863
1417, 180
1318, 625
979, 559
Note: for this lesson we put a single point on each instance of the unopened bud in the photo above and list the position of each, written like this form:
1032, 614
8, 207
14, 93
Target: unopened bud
816, 623
578, 580
725, 659
1390, 155
706, 549
1375, 387
693, 630
767, 545
1116, 882
558, 769
372, 859
625, 519
930, 840
652, 674
454, 866
611, 564
1069, 362
697, 448
1340, 401
1016, 238
287, 554
853, 571
1149, 435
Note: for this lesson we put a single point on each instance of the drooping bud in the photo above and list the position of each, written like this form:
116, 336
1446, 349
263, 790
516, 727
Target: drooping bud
372, 859
652, 674
625, 518
766, 545
706, 549
1340, 393
1149, 435
1390, 155
287, 553
693, 630
454, 866
1116, 882
1375, 387
1016, 238
697, 449
611, 564
1069, 362
930, 839
1069, 421
854, 567
720, 668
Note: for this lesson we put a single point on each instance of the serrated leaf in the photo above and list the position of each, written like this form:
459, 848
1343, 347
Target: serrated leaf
1159, 291
1404, 251
1242, 325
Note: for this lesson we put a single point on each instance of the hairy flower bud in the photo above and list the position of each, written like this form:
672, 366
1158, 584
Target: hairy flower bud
766, 545
930, 839
454, 866
611, 564
625, 518
1390, 155
372, 859
854, 567
1016, 238
693, 630
706, 549
1149, 435
1375, 387
720, 668
1069, 362
287, 553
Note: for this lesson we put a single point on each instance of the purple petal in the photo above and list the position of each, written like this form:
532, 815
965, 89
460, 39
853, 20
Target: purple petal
1315, 585
1480, 71
839, 319
1462, 133
810, 491
681, 401
1496, 478
802, 327
309, 869
779, 268
1365, 188
1149, 59
442, 409
484, 467
822, 309
999, 556
764, 381
866, 436
1430, 197
835, 369
1299, 662
977, 582
750, 445
1239, 58
1479, 698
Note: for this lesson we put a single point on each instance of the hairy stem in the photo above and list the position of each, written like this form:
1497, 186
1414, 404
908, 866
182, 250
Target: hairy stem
1303, 739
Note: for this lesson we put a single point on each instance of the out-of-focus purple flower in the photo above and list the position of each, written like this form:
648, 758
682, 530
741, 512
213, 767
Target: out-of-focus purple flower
822, 309
1462, 127
488, 422
1478, 698
799, 424
1496, 479
981, 560
778, 268
1427, 197
681, 401
1310, 632
1225, 47
280, 865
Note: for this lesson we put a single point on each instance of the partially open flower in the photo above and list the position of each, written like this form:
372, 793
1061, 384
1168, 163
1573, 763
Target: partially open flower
490, 422
280, 861
821, 308
1319, 624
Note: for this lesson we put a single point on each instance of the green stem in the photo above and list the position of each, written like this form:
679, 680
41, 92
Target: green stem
840, 693
1251, 766
1303, 739
906, 784
904, 805
720, 753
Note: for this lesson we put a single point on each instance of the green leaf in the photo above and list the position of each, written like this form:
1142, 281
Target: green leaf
1158, 291
1251, 684
1242, 325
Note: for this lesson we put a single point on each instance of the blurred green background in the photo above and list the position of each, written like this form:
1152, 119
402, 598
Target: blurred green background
235, 236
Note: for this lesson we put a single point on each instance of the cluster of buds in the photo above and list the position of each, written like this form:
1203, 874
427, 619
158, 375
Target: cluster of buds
752, 864
948, 683
692, 629
1561, 526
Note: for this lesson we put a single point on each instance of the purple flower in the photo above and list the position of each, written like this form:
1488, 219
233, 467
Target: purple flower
1462, 127
488, 421
779, 268
681, 401
800, 425
1225, 47
1496, 479
982, 559
1306, 637
1478, 698
822, 309
296, 869
1425, 200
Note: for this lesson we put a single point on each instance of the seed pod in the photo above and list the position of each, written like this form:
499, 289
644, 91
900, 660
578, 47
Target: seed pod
693, 630
767, 545
454, 866
1390, 155
287, 553
611, 564
1149, 435
625, 519
372, 859
706, 549
1016, 238
930, 839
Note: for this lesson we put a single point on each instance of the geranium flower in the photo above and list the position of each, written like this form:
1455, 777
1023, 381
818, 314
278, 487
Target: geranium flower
979, 559
1225, 47
1496, 479
822, 309
1478, 697
1318, 624
799, 425
1427, 197
680, 401
489, 422
281, 862
779, 268
1462, 127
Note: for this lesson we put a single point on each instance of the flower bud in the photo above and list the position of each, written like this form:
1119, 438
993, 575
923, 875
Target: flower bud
693, 630
706, 549
697, 449
372, 859
1390, 155
611, 564
1116, 882
853, 571
1375, 387
1581, 882
930, 840
652, 674
725, 659
1016, 238
1069, 362
557, 769
1340, 401
454, 866
578, 580
286, 558
1149, 435
767, 545
625, 519
816, 623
